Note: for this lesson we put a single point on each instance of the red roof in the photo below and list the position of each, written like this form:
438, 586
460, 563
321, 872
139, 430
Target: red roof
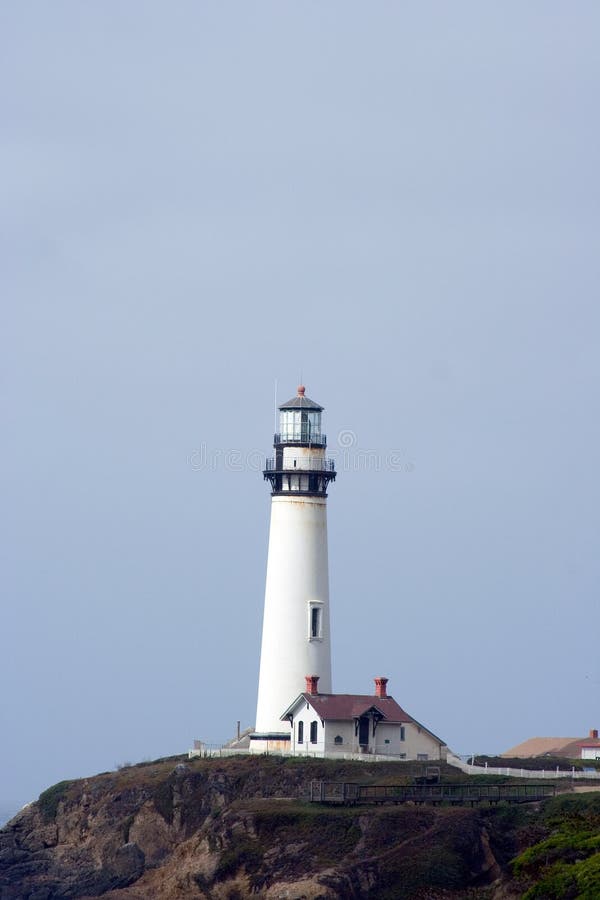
551, 746
352, 706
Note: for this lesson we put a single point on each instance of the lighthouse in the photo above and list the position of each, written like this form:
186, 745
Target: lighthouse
296, 625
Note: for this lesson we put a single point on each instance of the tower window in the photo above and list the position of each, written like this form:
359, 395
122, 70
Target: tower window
300, 732
315, 622
314, 726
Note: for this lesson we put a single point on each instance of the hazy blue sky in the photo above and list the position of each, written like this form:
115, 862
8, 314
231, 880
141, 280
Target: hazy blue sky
399, 201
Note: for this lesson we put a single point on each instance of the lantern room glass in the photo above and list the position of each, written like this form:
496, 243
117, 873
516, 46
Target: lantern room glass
300, 425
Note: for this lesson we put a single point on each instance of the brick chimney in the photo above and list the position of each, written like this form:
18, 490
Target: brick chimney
381, 687
312, 684
594, 733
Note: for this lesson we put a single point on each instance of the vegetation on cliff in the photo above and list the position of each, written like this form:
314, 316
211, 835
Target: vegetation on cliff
566, 863
49, 799
231, 828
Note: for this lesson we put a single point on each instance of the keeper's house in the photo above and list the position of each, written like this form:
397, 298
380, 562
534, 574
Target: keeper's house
590, 748
330, 724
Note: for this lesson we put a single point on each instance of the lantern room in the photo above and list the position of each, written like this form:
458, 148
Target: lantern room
300, 421
300, 464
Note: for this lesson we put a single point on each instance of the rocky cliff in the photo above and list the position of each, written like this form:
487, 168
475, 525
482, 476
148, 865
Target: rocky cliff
235, 828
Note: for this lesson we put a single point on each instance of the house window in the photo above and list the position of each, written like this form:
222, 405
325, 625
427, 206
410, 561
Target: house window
338, 739
402, 733
387, 740
422, 757
316, 622
403, 756
300, 732
313, 732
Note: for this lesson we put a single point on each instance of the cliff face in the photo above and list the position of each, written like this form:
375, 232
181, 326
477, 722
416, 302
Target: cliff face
234, 828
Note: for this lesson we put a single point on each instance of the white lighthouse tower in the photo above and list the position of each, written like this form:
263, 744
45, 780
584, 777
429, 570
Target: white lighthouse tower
296, 636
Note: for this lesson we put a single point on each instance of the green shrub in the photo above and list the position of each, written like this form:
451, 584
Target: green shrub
243, 853
567, 845
566, 864
578, 806
580, 881
587, 875
556, 884
50, 798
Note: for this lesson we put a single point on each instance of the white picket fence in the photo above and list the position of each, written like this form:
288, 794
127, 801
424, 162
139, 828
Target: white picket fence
205, 750
209, 750
507, 771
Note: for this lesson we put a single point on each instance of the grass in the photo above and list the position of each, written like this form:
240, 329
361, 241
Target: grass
428, 849
436, 867
329, 834
291, 835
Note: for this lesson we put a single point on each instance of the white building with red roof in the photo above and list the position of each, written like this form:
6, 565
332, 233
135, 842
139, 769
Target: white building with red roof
590, 747
374, 724
567, 747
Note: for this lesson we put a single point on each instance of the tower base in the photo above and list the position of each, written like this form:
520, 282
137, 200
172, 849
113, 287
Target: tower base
271, 742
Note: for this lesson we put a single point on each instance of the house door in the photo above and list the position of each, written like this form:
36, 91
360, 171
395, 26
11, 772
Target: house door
363, 731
